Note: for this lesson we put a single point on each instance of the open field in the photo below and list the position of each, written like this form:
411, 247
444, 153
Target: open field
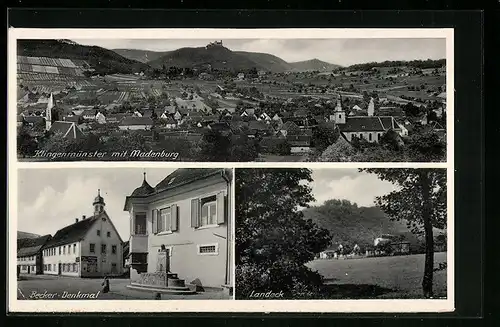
382, 277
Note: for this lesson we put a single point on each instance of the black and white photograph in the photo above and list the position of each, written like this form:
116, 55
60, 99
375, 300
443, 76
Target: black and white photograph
332, 233
124, 234
231, 99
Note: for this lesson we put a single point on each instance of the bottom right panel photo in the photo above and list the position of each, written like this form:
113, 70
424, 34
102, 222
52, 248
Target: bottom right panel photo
331, 233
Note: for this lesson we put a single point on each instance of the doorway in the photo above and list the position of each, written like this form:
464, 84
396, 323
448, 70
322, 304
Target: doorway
59, 269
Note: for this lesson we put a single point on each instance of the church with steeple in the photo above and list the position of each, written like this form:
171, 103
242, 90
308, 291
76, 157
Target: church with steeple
369, 128
88, 247
65, 128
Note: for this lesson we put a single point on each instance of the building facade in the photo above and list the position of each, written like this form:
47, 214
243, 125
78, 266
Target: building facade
90, 247
29, 254
188, 216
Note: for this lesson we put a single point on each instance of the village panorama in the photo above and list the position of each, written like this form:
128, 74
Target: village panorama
215, 103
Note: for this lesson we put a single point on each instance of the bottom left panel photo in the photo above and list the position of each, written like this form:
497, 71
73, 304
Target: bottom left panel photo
124, 233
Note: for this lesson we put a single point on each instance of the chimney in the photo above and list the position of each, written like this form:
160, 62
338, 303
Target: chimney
76, 220
83, 217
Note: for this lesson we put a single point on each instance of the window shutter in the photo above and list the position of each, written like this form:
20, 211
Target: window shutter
173, 218
195, 213
221, 212
154, 221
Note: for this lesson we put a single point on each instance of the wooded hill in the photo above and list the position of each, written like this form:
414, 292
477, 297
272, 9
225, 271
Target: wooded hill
350, 224
104, 61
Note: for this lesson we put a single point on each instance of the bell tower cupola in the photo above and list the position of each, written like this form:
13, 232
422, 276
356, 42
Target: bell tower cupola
98, 203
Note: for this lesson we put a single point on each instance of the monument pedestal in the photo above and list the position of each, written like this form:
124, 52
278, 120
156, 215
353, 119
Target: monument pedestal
162, 281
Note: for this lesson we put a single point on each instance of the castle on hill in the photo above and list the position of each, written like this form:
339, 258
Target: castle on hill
214, 44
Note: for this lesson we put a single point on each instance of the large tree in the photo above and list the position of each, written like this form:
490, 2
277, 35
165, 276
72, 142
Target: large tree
324, 135
420, 200
26, 144
274, 241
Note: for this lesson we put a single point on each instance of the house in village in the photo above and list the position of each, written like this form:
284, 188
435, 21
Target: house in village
89, 114
241, 76
289, 128
116, 118
89, 247
100, 118
182, 228
277, 118
135, 123
170, 123
29, 254
249, 112
299, 143
264, 116
73, 119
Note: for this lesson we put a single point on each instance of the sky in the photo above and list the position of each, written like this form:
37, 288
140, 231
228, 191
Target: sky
342, 52
347, 184
50, 199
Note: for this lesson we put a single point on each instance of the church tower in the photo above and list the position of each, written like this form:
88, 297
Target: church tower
339, 115
371, 107
48, 113
98, 204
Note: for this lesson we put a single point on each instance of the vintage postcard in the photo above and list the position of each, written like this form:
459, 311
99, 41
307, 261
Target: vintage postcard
231, 96
231, 170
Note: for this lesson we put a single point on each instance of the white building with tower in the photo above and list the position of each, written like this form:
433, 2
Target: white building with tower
89, 247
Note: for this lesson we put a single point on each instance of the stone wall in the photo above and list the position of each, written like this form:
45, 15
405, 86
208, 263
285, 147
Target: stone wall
154, 279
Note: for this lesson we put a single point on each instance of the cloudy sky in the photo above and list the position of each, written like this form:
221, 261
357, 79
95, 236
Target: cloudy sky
347, 184
336, 51
50, 199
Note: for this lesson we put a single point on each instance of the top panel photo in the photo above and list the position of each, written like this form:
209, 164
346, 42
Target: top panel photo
231, 95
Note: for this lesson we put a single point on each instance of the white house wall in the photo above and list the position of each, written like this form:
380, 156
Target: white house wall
56, 259
24, 262
366, 136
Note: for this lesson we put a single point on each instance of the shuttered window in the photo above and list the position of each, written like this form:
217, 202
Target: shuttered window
167, 219
208, 211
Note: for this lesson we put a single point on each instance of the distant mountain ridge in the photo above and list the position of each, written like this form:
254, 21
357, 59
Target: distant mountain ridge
313, 65
143, 56
219, 57
102, 60
21, 235
267, 61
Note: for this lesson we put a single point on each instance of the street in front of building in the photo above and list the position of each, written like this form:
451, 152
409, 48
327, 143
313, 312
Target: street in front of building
44, 287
